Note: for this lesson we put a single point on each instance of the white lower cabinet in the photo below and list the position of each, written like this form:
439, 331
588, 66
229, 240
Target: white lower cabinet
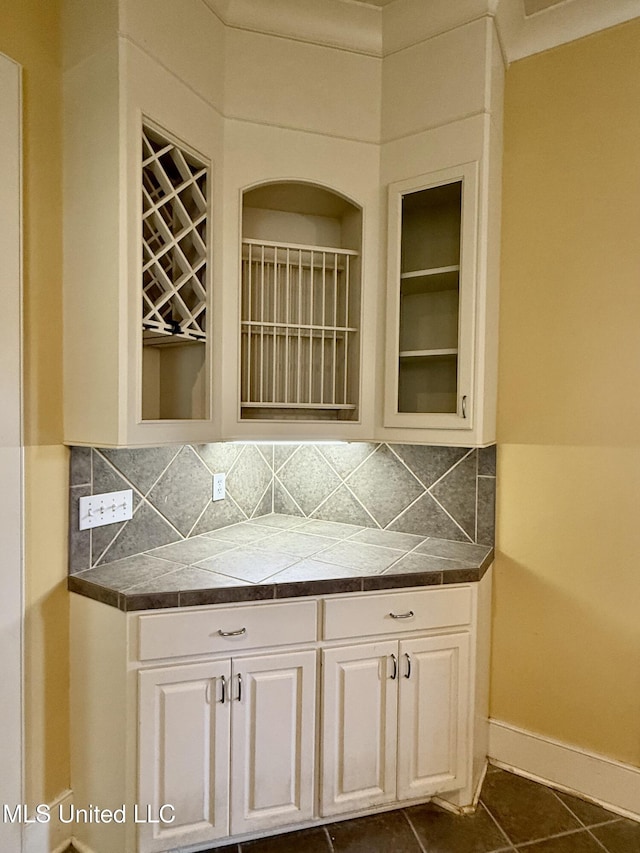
220, 714
226, 747
184, 740
273, 741
359, 735
433, 706
394, 721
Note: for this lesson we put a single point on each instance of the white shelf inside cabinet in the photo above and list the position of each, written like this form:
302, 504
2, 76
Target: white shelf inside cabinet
431, 272
427, 353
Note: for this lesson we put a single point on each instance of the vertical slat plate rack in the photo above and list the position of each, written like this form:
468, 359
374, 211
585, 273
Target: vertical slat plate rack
298, 329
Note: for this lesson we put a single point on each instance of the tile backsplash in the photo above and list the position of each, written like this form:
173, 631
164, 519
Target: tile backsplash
445, 492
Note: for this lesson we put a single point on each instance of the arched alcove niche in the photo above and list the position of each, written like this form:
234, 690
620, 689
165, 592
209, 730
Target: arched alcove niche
300, 303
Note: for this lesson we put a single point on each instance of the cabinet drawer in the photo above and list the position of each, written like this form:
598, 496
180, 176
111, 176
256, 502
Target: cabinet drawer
365, 615
227, 629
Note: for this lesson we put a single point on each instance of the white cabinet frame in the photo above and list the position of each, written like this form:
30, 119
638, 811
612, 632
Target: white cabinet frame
463, 418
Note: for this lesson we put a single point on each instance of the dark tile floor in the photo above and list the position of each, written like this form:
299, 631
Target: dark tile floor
514, 814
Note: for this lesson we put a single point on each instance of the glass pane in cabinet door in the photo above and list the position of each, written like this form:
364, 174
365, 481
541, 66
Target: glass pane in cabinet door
429, 300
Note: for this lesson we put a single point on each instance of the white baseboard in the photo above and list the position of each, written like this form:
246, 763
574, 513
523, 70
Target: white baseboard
51, 837
609, 783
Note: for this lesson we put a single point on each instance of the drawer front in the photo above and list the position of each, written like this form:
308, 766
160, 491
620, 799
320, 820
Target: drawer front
396, 612
226, 629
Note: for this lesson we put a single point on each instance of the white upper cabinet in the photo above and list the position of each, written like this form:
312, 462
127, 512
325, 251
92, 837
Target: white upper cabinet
440, 165
431, 299
227, 240
301, 285
142, 151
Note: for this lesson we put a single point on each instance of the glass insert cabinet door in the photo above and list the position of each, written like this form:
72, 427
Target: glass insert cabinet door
431, 300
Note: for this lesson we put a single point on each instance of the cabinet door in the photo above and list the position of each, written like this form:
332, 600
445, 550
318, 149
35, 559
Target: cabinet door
273, 740
431, 300
359, 726
433, 733
184, 754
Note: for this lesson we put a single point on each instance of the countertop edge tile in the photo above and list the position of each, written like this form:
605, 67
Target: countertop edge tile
325, 586
392, 581
149, 600
226, 594
103, 594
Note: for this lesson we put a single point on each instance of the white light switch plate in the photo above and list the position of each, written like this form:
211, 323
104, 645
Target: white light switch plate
97, 510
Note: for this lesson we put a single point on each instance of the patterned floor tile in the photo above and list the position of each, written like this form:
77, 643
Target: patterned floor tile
620, 837
380, 833
525, 810
443, 832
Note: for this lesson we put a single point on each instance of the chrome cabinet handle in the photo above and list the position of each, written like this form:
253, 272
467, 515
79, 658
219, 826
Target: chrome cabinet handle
239, 688
402, 615
464, 406
408, 672
394, 675
232, 633
223, 682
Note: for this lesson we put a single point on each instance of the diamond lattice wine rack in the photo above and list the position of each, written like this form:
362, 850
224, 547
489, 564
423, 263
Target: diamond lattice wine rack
175, 213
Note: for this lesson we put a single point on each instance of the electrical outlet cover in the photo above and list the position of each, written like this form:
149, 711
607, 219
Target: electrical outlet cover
219, 490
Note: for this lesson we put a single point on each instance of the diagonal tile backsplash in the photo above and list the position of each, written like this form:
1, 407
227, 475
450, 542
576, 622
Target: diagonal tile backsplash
445, 492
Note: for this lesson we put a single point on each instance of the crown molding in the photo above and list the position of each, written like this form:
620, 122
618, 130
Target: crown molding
409, 22
343, 24
523, 36
381, 30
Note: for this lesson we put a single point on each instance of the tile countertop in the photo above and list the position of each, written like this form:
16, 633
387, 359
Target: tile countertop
279, 556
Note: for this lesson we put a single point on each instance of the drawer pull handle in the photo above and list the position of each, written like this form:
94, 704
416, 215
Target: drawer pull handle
239, 688
232, 633
402, 615
408, 672
223, 682
394, 674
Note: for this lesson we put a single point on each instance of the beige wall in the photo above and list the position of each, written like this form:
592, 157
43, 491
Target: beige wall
566, 656
30, 34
